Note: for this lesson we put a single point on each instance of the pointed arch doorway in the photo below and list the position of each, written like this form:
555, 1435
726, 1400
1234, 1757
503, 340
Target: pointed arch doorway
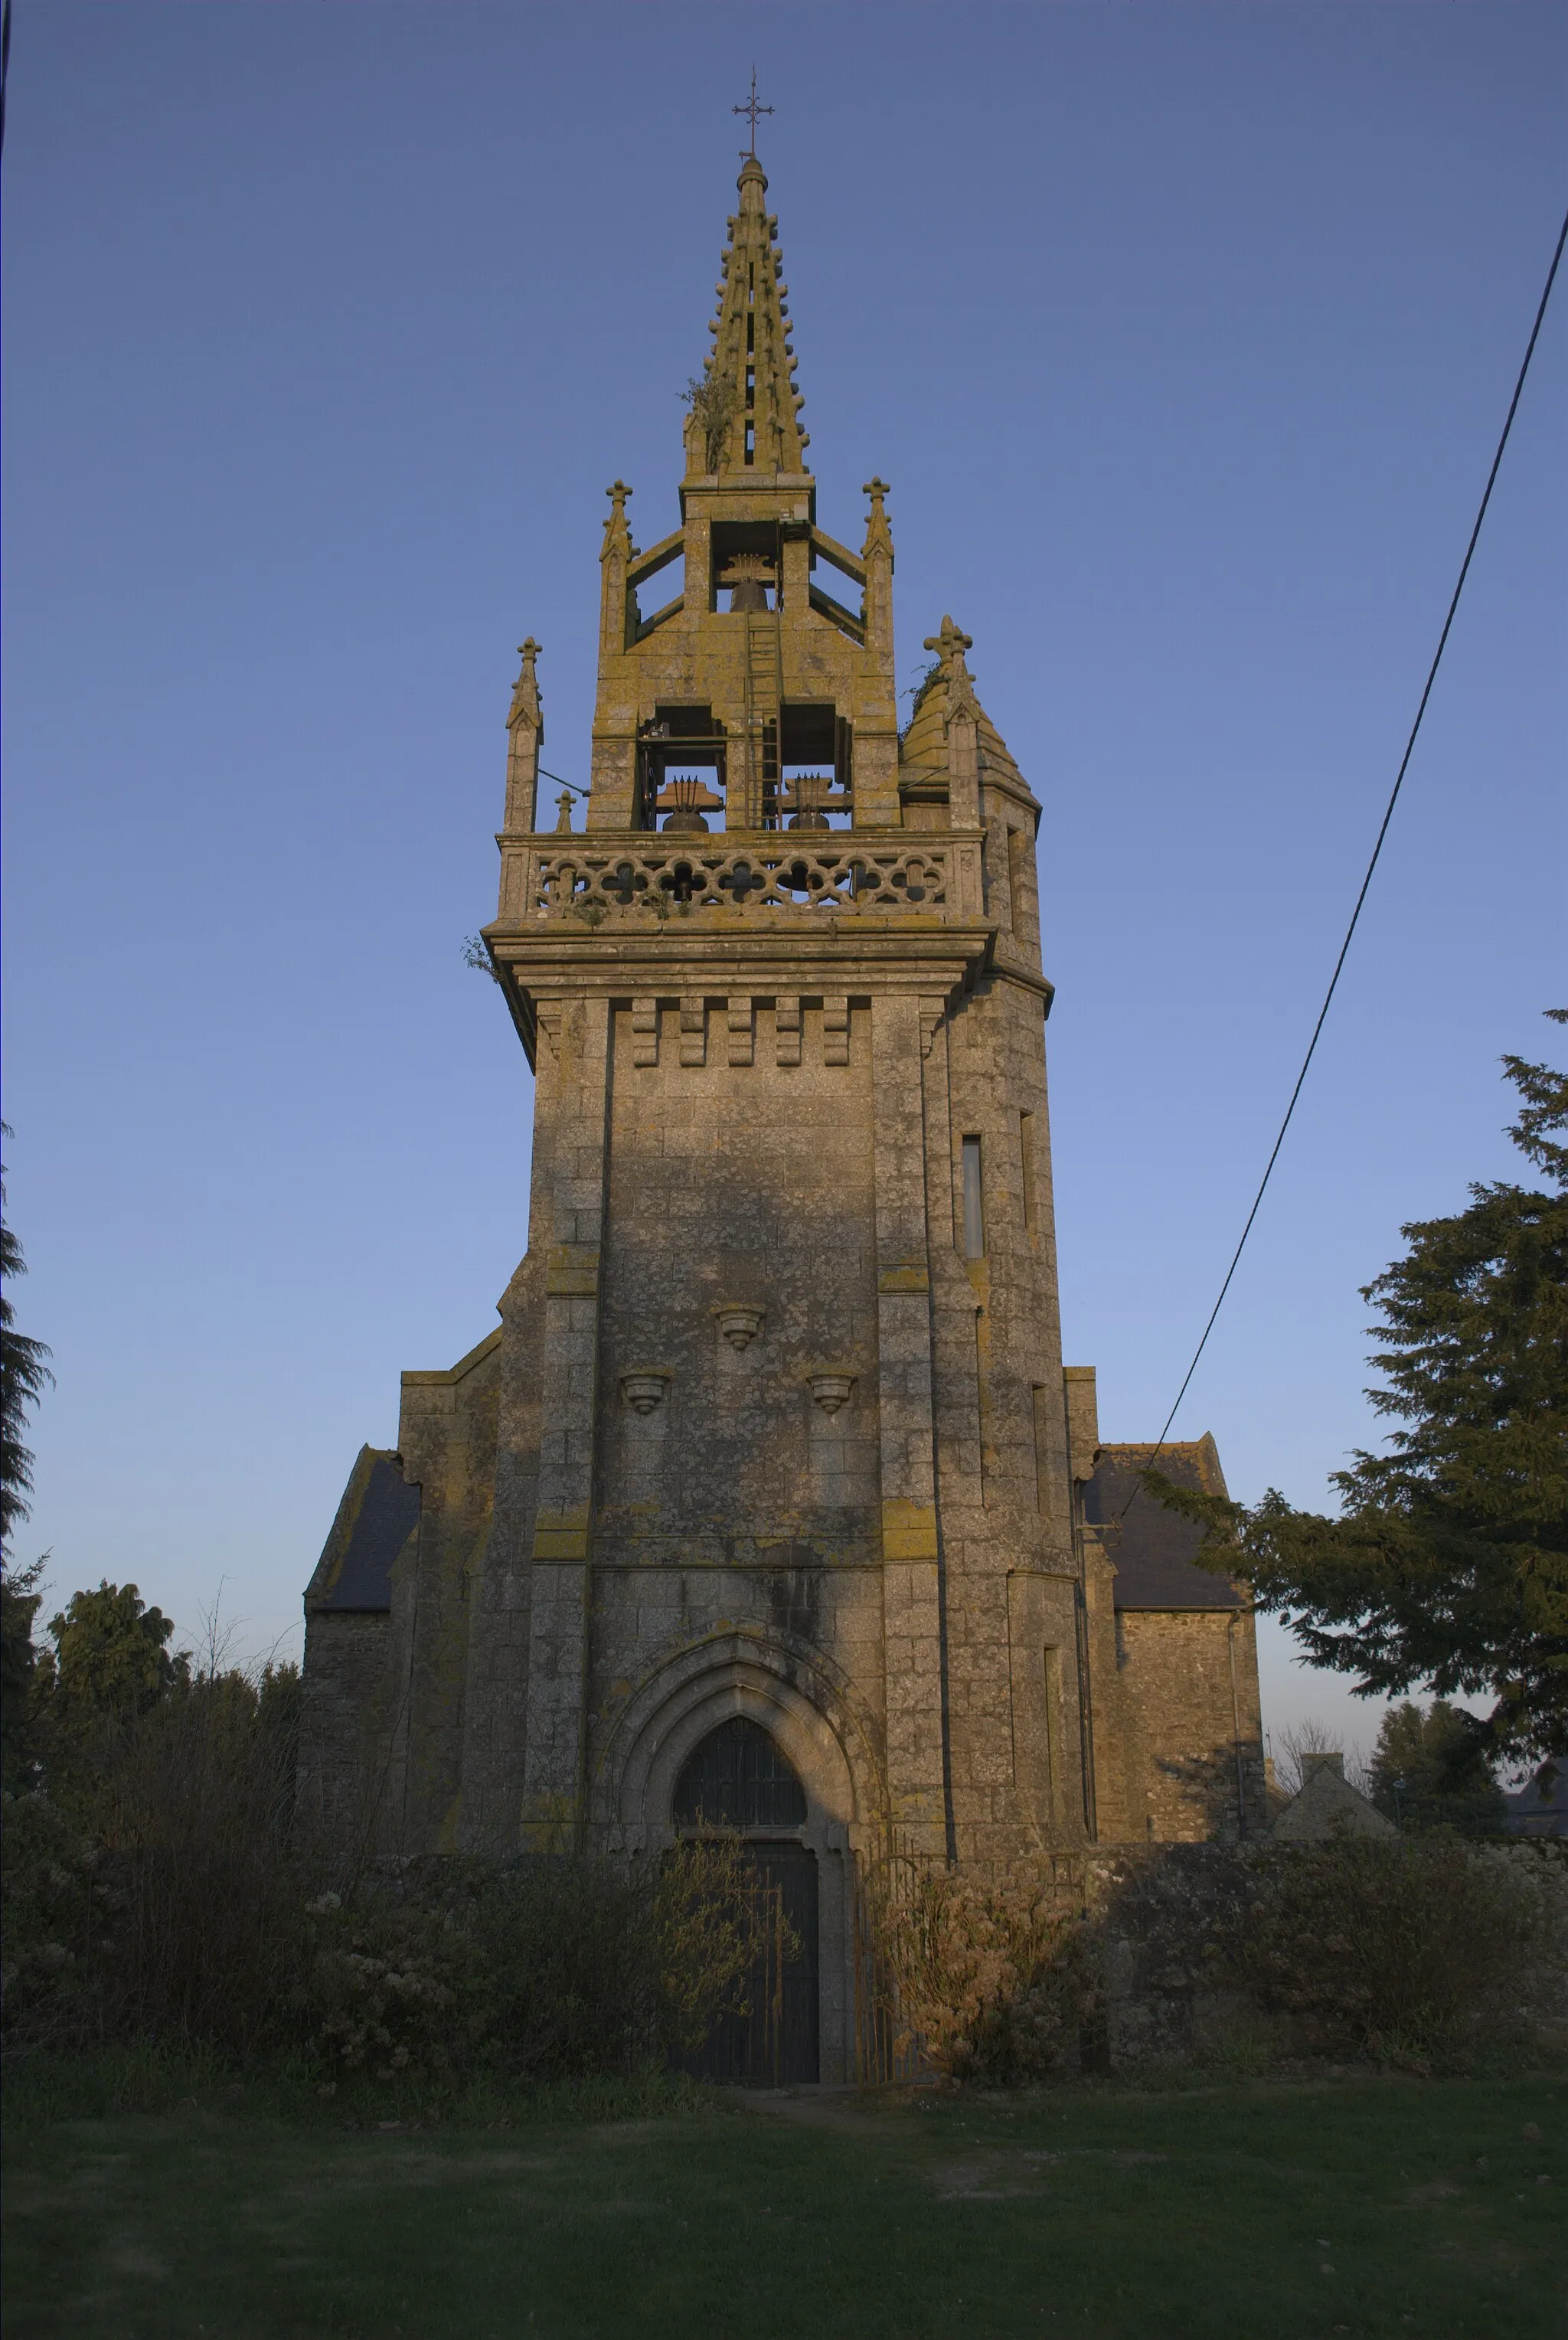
738, 1778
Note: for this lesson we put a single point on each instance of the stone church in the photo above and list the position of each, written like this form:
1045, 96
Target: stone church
768, 1501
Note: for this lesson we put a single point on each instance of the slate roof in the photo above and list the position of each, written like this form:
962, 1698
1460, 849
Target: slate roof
378, 1516
1152, 1548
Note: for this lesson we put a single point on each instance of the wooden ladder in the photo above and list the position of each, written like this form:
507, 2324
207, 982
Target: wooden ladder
764, 712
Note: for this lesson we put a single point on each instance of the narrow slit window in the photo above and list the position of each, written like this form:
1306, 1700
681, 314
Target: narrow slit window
974, 1202
1053, 1699
1042, 1450
751, 442
1021, 889
1027, 1158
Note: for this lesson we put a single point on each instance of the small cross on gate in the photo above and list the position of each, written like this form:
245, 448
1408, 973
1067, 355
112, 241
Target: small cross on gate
753, 109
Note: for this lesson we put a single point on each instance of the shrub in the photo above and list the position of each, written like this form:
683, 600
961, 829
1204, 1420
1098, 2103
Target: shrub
714, 401
166, 1890
162, 1864
1420, 1947
988, 1982
559, 1965
194, 1813
60, 1919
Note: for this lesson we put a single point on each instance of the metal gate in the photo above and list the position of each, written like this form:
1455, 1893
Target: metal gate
776, 2042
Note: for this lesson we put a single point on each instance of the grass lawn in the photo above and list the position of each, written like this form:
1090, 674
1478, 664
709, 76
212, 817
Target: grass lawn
1247, 2210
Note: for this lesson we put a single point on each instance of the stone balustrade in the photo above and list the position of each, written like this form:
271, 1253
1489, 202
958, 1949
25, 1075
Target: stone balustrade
645, 877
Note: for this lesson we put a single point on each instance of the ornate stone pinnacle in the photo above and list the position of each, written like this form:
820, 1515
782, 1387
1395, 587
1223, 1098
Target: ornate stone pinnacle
879, 535
524, 708
617, 535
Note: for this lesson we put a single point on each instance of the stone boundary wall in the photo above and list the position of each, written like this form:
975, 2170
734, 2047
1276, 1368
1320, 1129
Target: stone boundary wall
1158, 1911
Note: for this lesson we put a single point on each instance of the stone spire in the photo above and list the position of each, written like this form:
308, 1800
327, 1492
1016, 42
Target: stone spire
525, 733
745, 411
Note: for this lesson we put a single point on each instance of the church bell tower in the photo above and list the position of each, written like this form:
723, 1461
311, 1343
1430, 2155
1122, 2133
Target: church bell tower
764, 1503
794, 1407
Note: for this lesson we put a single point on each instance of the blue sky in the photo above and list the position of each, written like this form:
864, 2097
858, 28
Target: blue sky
1184, 334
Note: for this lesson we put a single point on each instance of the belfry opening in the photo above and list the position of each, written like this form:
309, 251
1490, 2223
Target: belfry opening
768, 1502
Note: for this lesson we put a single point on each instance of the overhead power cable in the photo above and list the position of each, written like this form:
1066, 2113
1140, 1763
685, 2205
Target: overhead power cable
4, 64
1377, 848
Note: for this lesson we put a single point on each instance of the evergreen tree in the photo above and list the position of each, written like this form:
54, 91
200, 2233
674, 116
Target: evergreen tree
111, 1653
1429, 1770
24, 1376
1448, 1564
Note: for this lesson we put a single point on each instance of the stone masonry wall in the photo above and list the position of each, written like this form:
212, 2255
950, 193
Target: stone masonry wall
344, 1720
1190, 1679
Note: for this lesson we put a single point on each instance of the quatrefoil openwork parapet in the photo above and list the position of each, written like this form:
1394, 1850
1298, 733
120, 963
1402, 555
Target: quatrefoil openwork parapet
656, 880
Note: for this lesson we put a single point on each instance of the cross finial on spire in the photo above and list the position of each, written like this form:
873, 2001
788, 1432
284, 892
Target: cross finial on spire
951, 643
751, 109
525, 690
617, 535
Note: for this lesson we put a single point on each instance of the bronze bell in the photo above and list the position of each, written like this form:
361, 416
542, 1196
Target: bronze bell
747, 580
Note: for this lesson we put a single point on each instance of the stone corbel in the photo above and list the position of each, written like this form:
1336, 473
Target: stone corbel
739, 1322
645, 1387
548, 1015
832, 1387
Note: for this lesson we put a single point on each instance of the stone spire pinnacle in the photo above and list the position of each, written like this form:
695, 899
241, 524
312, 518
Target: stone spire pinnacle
745, 410
525, 732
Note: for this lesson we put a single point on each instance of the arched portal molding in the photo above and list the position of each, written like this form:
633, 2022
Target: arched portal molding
787, 1690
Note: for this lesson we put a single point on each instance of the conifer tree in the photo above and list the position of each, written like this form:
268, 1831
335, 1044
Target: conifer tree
1447, 1568
111, 1655
1429, 1770
24, 1377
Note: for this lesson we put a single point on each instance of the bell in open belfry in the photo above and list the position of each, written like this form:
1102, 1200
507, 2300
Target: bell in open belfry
748, 579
